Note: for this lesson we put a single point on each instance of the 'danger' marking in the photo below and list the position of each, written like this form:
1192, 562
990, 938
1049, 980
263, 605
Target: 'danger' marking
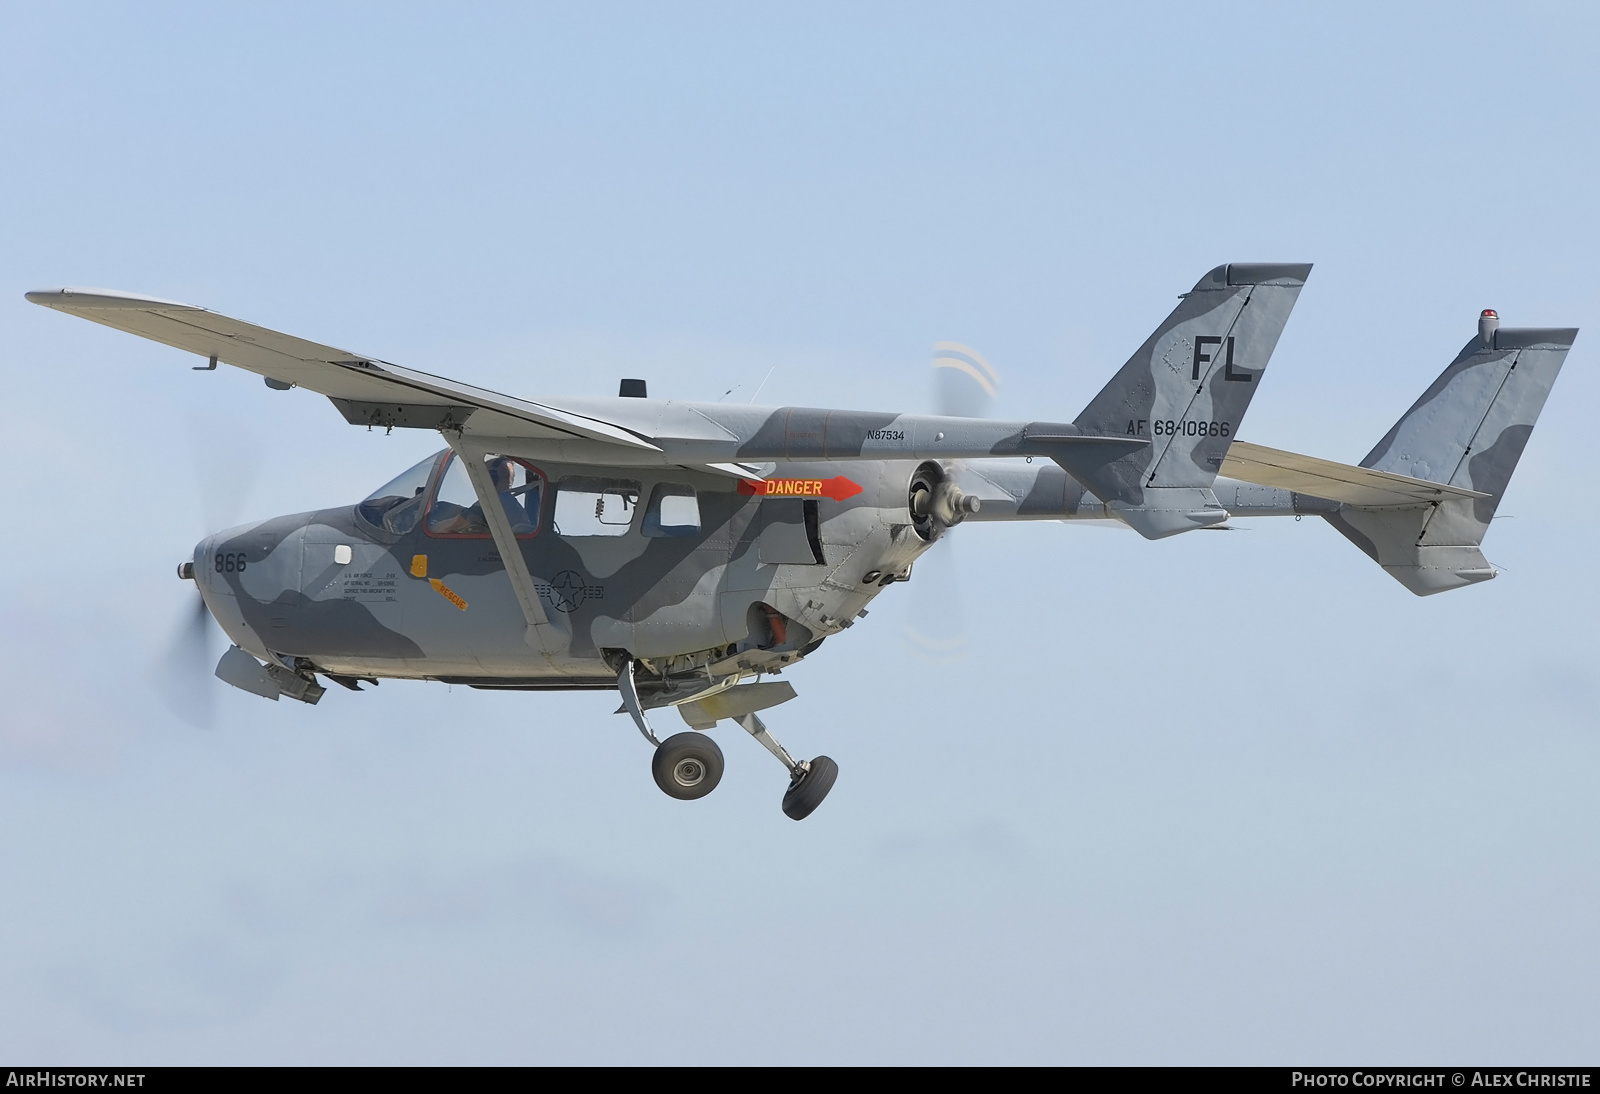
837, 488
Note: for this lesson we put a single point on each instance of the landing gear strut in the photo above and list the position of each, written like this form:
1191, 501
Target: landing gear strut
687, 766
809, 780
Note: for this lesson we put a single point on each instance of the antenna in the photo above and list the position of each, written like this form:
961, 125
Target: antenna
763, 383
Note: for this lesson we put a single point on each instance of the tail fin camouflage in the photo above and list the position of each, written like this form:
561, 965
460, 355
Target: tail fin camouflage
1186, 390
1468, 430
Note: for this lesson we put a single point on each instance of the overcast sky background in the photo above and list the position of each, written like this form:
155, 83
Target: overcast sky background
1224, 798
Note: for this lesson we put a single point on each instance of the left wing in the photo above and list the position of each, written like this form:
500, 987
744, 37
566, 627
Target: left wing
366, 391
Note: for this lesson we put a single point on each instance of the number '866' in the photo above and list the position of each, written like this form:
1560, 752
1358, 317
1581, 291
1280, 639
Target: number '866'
230, 563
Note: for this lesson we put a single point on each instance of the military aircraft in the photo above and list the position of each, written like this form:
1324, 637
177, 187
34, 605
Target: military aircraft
680, 552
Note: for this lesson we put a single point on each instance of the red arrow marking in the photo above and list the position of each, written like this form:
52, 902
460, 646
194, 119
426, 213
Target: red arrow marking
837, 488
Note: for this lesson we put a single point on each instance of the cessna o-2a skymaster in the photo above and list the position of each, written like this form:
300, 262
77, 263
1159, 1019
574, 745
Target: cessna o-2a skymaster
673, 550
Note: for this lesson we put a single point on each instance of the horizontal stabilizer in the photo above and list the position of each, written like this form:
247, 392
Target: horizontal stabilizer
1358, 486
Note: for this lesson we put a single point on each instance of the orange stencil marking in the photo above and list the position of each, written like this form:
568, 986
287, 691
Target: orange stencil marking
837, 488
444, 590
419, 565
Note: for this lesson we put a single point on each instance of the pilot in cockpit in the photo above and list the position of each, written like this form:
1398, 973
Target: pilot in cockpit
502, 472
457, 512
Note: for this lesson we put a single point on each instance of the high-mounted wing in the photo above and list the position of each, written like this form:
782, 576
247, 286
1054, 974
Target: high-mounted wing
1124, 446
732, 440
366, 391
1361, 486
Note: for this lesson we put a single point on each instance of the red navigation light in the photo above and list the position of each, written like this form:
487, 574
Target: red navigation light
1489, 313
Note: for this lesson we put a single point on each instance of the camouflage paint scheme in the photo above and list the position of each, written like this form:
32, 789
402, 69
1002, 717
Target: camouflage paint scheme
681, 606
1468, 430
696, 610
764, 581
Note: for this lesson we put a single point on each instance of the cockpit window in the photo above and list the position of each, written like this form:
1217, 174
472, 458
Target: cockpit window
456, 511
396, 505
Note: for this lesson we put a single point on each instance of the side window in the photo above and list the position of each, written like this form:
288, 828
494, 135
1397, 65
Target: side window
673, 512
456, 511
595, 507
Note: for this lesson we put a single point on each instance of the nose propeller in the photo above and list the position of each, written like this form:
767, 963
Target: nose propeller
186, 681
226, 466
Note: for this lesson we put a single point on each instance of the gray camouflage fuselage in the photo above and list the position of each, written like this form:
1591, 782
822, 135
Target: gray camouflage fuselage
686, 607
764, 575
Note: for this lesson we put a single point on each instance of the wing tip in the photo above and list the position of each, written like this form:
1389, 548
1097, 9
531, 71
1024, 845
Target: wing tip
72, 298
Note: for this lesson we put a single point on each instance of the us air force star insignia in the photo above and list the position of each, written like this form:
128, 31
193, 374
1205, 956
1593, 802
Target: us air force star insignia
567, 590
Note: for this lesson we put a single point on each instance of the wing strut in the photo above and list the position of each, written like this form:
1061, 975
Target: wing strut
505, 540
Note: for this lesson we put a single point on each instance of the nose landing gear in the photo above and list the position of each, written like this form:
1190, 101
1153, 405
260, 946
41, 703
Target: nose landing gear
809, 787
809, 780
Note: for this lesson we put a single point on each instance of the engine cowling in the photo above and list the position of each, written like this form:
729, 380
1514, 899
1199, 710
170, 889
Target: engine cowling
936, 503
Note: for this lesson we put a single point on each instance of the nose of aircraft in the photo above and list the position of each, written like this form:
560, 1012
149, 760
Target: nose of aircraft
190, 568
194, 569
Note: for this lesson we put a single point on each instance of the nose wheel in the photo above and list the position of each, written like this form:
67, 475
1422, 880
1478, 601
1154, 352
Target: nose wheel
807, 788
809, 780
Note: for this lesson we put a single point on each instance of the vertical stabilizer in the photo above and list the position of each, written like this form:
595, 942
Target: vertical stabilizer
1467, 430
1186, 391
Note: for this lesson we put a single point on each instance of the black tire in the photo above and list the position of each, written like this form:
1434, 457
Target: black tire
687, 766
804, 796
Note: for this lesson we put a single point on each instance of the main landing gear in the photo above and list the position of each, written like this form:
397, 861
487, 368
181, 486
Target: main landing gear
689, 765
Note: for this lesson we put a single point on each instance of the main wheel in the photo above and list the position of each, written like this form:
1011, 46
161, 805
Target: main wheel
688, 766
804, 796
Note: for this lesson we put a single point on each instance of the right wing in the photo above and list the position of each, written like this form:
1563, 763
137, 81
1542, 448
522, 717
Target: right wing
365, 390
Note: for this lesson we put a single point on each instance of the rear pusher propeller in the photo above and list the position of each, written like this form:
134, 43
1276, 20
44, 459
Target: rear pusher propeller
964, 386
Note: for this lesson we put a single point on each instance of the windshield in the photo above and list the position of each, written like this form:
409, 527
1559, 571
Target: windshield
396, 505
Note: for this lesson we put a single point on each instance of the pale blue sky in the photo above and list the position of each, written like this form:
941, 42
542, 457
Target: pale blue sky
1222, 798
